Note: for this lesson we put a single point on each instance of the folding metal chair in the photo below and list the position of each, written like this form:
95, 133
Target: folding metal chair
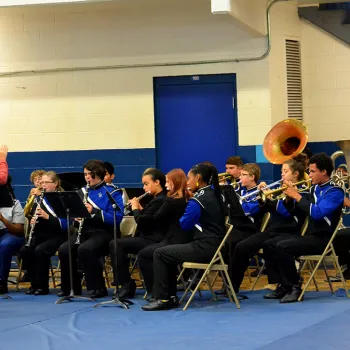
216, 264
328, 254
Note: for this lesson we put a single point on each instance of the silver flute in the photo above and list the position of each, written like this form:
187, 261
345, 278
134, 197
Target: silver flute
35, 217
81, 223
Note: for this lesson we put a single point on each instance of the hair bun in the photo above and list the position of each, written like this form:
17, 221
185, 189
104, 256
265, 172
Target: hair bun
301, 158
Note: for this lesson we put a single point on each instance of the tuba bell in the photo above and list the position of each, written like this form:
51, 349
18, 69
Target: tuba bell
285, 141
341, 179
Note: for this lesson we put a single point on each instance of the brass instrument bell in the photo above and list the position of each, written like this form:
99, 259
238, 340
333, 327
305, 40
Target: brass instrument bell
285, 141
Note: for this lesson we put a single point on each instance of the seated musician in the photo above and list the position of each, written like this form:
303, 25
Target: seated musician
48, 233
35, 179
109, 177
324, 206
150, 230
3, 165
234, 166
205, 215
11, 236
282, 224
96, 233
172, 210
341, 245
244, 216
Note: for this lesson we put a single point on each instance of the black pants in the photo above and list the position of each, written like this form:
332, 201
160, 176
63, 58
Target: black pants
341, 245
247, 248
280, 257
166, 259
92, 248
120, 260
236, 236
146, 264
37, 258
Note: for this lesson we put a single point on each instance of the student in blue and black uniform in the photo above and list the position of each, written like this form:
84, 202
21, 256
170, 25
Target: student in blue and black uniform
244, 216
282, 224
324, 206
96, 233
205, 215
110, 176
49, 234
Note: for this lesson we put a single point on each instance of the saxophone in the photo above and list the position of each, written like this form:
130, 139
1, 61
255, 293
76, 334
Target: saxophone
35, 217
81, 223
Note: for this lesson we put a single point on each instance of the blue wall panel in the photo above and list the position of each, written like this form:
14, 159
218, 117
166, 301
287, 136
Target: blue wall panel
129, 165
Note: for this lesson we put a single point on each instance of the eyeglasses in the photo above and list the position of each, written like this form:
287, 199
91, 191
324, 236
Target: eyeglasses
244, 174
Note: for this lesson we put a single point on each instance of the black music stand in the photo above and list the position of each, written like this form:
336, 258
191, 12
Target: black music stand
68, 205
123, 303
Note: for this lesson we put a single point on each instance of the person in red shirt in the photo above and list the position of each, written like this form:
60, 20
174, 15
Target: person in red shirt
3, 165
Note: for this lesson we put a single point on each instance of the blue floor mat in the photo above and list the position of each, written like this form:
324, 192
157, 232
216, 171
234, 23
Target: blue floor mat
320, 322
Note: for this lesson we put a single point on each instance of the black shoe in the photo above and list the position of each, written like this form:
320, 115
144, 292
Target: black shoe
278, 293
65, 293
99, 293
127, 290
30, 291
174, 301
149, 298
292, 296
42, 291
158, 305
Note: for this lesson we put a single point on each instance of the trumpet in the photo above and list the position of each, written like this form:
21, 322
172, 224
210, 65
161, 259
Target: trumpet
126, 206
263, 195
81, 223
223, 177
254, 194
35, 217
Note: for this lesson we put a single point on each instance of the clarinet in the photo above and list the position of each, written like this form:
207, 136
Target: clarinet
81, 223
126, 206
35, 217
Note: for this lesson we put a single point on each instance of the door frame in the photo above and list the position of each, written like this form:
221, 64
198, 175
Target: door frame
193, 80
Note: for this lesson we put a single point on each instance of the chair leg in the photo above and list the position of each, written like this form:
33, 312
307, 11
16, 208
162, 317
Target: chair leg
106, 276
19, 275
227, 288
311, 277
233, 293
311, 267
197, 287
53, 276
340, 272
327, 276
189, 286
211, 288
259, 275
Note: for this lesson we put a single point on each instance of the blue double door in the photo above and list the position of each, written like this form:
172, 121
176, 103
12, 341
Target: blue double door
195, 120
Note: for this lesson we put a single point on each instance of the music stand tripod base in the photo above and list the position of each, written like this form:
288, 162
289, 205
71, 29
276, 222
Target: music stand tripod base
5, 297
71, 296
123, 303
